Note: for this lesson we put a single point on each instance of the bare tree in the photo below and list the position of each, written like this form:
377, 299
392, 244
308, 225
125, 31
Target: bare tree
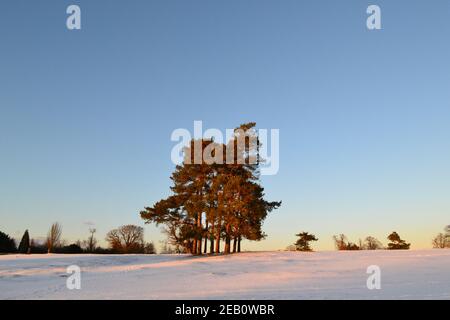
447, 235
360, 244
342, 243
372, 243
441, 241
127, 239
91, 243
54, 237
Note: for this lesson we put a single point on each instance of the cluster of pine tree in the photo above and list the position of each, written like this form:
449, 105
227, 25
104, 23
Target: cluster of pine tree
7, 244
215, 201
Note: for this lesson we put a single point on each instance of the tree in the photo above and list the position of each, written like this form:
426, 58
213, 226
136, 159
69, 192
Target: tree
440, 241
54, 237
214, 201
149, 248
342, 243
371, 243
352, 247
302, 243
127, 239
7, 244
447, 234
24, 246
397, 243
91, 243
73, 248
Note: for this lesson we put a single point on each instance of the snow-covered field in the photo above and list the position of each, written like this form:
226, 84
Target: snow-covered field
423, 274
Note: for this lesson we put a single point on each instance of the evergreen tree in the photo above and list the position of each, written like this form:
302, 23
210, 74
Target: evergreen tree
213, 200
7, 244
397, 243
24, 246
302, 243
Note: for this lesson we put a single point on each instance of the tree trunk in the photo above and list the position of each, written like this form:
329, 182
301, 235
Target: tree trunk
227, 239
239, 243
218, 238
227, 244
200, 238
199, 246
205, 249
194, 246
211, 239
234, 244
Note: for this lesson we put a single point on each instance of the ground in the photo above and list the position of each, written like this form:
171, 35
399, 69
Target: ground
422, 274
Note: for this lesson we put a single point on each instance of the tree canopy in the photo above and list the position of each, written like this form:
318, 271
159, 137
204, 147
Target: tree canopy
397, 243
303, 241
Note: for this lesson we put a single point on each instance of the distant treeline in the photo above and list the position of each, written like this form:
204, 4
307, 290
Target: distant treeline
341, 242
123, 240
129, 239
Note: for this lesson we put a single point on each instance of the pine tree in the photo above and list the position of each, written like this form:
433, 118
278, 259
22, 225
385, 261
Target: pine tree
24, 246
7, 244
302, 243
397, 243
214, 201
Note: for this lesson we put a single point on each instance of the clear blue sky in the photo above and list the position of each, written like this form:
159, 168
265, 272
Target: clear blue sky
86, 116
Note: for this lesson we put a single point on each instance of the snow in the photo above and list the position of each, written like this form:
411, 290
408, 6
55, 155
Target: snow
421, 274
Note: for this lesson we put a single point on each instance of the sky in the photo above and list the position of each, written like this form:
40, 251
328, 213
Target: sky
86, 115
